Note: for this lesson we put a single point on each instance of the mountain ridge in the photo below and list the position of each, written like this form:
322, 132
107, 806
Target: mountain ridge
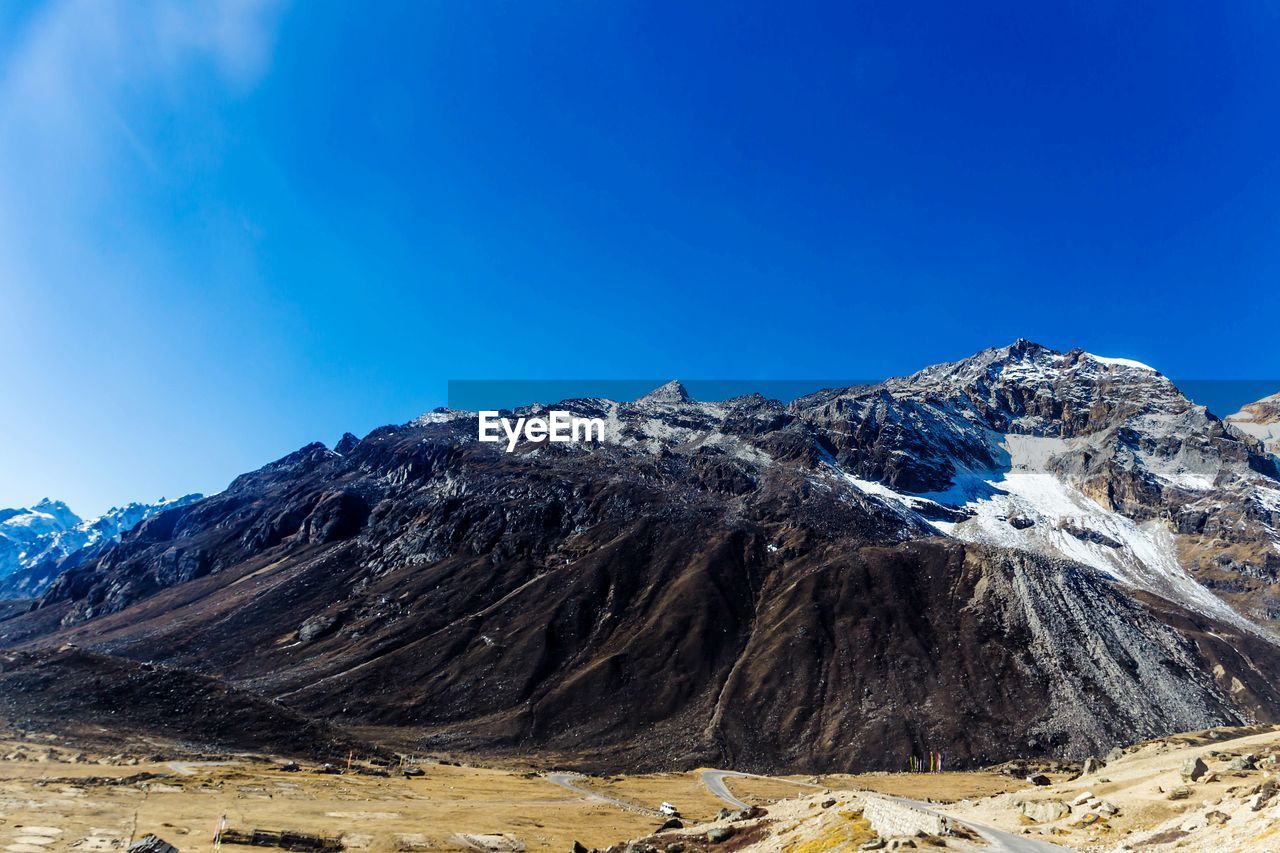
741, 582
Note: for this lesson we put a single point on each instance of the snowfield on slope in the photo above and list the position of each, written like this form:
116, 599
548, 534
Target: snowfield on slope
1027, 508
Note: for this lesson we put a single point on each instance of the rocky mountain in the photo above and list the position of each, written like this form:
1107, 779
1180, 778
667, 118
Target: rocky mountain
1262, 421
1092, 459
1024, 552
38, 543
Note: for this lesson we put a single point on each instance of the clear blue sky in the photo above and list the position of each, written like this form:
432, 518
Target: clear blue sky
229, 228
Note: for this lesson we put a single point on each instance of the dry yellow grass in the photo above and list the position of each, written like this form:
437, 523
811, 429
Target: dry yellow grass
48, 801
370, 813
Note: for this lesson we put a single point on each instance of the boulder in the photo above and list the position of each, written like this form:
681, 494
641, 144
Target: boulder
1243, 762
1263, 795
1092, 765
1038, 779
1045, 811
315, 627
719, 834
1106, 808
1194, 769
1182, 793
672, 823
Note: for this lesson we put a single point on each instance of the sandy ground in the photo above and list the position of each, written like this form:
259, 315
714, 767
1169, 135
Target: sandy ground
55, 796
49, 800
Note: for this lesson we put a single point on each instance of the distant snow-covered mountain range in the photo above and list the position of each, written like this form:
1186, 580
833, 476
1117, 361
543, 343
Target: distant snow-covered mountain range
39, 542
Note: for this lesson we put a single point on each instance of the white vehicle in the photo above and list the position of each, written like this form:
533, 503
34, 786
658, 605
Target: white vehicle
669, 810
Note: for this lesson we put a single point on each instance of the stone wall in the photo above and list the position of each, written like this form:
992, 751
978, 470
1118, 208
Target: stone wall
890, 818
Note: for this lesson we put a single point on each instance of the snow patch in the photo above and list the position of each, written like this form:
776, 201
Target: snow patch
1027, 508
1121, 362
1269, 498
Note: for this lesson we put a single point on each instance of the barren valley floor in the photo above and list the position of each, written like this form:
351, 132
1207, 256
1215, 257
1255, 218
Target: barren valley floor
58, 794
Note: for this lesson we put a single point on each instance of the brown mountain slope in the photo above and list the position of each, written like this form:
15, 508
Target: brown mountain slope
706, 591
94, 695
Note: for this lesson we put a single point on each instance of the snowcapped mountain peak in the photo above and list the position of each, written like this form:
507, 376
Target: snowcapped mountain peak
58, 510
1031, 389
439, 415
672, 392
1024, 359
1025, 350
34, 541
1115, 445
994, 360
24, 525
